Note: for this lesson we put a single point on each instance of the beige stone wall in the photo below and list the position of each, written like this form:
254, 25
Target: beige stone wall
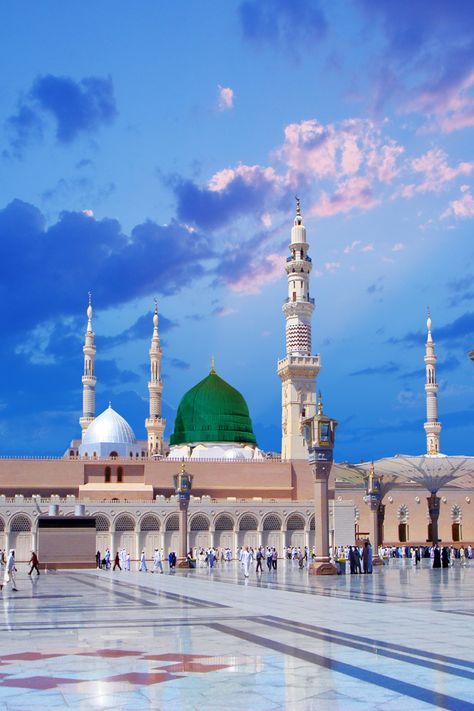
413, 501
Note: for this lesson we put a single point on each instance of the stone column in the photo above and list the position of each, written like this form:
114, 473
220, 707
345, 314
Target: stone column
322, 564
373, 501
433, 510
381, 522
183, 534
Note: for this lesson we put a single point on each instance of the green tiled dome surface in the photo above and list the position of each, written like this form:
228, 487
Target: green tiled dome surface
212, 411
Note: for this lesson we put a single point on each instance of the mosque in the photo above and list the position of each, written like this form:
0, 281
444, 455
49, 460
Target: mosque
240, 495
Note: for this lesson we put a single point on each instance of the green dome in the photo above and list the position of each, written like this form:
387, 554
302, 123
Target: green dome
212, 411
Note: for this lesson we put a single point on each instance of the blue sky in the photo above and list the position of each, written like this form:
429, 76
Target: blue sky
155, 150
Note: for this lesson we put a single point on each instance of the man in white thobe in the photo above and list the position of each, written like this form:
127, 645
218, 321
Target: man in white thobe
142, 567
157, 562
245, 560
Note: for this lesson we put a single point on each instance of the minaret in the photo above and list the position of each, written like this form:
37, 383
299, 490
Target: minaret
155, 424
432, 425
88, 379
298, 370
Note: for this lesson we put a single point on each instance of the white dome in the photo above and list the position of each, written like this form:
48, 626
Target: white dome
109, 427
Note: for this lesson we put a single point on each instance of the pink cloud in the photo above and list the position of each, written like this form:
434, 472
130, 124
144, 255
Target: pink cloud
353, 146
450, 107
434, 168
355, 193
331, 266
251, 175
266, 270
226, 98
385, 162
398, 247
462, 208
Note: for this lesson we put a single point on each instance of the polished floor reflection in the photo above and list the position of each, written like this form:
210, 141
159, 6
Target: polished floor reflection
401, 638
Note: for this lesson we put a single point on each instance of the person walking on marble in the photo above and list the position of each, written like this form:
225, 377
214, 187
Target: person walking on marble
117, 562
259, 556
245, 559
128, 561
34, 562
142, 568
157, 561
10, 571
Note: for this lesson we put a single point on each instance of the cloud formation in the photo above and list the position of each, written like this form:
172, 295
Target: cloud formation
461, 208
427, 59
384, 369
77, 107
275, 24
226, 98
78, 253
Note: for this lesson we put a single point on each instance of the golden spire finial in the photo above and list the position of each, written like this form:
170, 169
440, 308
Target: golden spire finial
320, 403
213, 366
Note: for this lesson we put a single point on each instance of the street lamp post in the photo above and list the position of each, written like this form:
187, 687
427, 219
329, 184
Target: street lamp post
182, 486
320, 433
373, 499
433, 511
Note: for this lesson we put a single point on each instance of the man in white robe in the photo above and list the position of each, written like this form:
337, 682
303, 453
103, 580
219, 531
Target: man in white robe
157, 562
245, 560
142, 568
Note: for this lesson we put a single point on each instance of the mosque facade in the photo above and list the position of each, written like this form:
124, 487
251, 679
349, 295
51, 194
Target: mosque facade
240, 496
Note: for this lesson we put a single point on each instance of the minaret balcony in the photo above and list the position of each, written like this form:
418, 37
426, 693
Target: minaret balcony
309, 300
306, 259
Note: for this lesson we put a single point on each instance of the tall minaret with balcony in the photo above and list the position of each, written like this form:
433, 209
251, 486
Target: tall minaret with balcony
298, 370
432, 425
88, 379
155, 424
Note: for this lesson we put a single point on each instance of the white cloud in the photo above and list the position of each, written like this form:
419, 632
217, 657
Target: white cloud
226, 98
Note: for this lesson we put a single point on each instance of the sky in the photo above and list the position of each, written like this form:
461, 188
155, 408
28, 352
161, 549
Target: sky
155, 149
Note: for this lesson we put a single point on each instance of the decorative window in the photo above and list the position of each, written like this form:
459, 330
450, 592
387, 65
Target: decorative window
200, 523
224, 523
295, 523
150, 523
272, 522
312, 523
125, 523
120, 474
403, 513
248, 523
2, 524
172, 524
102, 523
456, 513
108, 474
113, 455
20, 523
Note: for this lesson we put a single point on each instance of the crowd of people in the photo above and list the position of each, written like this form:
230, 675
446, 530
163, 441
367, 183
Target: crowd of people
360, 558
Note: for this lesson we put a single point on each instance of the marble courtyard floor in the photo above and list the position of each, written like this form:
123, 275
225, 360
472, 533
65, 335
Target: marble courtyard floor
399, 639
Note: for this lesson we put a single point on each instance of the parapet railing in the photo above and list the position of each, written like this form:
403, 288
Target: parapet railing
139, 460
